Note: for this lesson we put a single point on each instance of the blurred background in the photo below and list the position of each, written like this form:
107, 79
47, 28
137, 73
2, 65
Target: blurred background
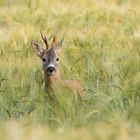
101, 49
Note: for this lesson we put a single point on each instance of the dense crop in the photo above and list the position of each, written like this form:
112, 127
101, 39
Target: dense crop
101, 49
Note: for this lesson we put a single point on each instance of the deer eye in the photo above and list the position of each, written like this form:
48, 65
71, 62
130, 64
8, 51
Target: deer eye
57, 59
43, 59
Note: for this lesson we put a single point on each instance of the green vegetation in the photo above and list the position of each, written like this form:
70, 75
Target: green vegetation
101, 49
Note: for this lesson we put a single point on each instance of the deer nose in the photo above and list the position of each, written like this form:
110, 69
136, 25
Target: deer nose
51, 69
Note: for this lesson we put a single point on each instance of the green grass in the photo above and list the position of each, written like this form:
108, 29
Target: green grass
101, 49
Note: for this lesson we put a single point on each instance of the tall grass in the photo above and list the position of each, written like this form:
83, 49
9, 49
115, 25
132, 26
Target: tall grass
101, 49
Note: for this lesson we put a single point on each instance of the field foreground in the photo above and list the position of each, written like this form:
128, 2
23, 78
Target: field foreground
101, 49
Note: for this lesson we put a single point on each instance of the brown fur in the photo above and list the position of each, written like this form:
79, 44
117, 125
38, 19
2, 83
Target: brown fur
55, 80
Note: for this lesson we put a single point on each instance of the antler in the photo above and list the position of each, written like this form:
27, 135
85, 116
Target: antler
44, 38
54, 40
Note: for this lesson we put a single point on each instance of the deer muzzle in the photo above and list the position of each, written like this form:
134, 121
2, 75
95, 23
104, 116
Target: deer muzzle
50, 70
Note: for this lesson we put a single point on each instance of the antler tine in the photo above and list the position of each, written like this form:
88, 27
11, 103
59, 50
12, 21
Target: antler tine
54, 39
44, 38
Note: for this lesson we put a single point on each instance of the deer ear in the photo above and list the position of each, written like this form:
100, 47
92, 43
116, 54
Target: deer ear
59, 45
37, 48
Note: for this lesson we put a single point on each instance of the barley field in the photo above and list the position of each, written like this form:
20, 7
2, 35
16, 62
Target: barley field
101, 49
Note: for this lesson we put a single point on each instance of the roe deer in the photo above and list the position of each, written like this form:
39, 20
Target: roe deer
50, 60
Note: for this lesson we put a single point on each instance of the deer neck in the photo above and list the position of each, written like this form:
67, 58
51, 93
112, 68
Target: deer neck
50, 80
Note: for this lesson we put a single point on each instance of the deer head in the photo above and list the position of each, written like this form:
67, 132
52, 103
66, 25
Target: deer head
50, 55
